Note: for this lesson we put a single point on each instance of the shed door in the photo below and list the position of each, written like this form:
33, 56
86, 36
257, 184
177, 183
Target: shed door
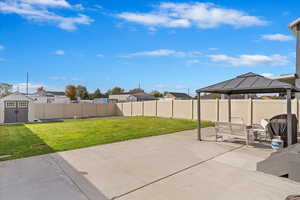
16, 111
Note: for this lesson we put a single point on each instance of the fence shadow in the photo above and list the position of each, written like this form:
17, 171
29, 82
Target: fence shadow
17, 141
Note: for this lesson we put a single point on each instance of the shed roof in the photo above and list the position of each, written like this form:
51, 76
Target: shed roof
16, 97
249, 83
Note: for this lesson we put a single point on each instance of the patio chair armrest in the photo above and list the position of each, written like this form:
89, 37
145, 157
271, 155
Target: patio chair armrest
257, 126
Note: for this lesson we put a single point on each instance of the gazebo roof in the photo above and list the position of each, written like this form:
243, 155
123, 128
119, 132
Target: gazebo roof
249, 83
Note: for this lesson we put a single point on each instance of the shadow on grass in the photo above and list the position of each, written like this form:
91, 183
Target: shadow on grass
17, 141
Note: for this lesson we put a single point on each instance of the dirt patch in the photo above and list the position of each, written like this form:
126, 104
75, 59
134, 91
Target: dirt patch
38, 146
5, 156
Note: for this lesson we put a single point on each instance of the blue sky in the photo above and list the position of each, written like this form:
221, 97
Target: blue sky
165, 45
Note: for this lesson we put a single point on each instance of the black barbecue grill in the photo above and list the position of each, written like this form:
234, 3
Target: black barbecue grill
278, 127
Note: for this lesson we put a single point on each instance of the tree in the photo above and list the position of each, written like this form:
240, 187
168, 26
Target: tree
97, 94
5, 89
71, 92
106, 94
82, 92
136, 90
116, 90
156, 93
40, 89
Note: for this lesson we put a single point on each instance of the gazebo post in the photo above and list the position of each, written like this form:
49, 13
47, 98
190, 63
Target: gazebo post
229, 107
289, 116
199, 116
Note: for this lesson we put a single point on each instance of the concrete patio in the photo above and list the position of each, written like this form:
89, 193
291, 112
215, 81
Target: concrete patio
168, 167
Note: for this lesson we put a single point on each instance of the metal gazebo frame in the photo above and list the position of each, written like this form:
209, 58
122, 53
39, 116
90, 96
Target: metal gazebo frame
249, 83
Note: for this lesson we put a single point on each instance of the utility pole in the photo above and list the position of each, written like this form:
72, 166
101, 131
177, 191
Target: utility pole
27, 79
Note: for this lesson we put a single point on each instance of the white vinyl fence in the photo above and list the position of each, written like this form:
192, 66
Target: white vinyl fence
251, 111
63, 111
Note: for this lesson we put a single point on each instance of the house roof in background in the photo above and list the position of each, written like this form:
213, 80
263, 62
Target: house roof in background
56, 93
287, 78
249, 83
284, 76
124, 93
132, 93
180, 95
143, 95
49, 93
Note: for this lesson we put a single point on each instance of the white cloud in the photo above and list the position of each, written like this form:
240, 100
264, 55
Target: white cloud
60, 52
293, 54
180, 87
160, 86
78, 6
63, 78
2, 47
100, 55
124, 63
37, 10
277, 37
48, 3
164, 52
251, 60
163, 87
147, 19
200, 15
152, 29
267, 75
213, 49
57, 78
160, 52
98, 6
21, 87
69, 23
285, 13
193, 61
171, 32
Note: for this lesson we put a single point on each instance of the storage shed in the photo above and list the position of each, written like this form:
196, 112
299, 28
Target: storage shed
14, 108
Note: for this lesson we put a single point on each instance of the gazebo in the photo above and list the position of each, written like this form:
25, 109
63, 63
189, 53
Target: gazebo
250, 83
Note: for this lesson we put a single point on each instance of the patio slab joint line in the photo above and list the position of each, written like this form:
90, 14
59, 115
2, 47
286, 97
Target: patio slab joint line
177, 172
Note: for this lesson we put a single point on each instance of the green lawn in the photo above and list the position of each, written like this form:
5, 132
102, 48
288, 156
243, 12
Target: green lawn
41, 138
